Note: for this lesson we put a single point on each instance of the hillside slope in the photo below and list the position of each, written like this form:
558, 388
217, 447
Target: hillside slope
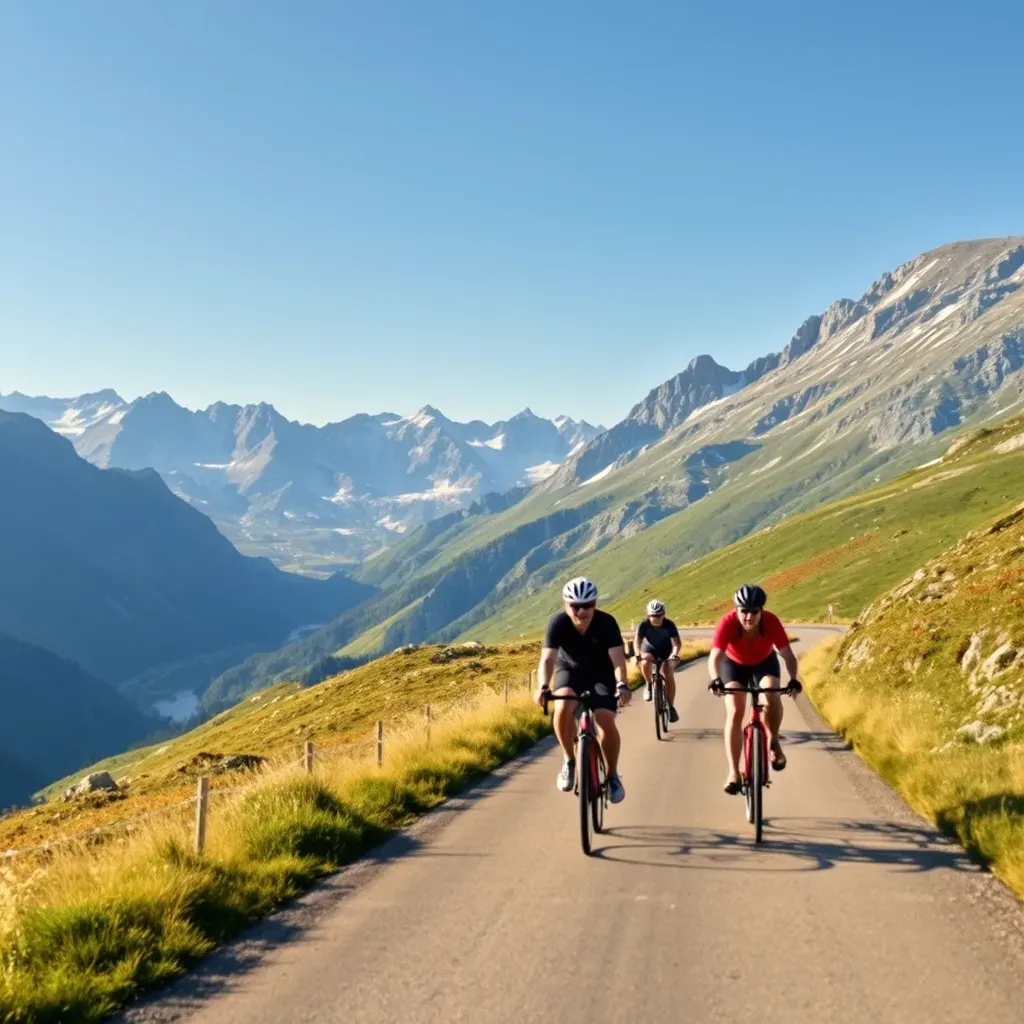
338, 714
846, 552
110, 569
929, 686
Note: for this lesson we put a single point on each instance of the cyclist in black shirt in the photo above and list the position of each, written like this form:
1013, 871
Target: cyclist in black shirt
657, 637
583, 650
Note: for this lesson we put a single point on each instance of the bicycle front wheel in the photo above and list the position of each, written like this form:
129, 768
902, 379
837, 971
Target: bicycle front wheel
658, 698
597, 798
757, 787
583, 785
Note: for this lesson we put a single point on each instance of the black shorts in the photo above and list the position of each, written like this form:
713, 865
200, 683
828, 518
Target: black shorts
660, 653
604, 693
748, 675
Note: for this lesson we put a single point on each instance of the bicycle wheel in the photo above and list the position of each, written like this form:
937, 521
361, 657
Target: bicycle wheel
583, 787
664, 710
757, 786
598, 797
657, 707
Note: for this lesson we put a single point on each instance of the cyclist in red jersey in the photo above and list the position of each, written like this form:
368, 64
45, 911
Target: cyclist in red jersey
746, 648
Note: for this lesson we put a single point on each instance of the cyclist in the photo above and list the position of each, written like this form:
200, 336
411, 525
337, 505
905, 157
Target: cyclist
658, 639
746, 648
583, 651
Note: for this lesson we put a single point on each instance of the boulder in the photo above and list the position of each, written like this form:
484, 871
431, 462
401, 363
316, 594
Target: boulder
92, 783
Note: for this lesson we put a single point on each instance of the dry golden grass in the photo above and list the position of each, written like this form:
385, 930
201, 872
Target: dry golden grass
83, 929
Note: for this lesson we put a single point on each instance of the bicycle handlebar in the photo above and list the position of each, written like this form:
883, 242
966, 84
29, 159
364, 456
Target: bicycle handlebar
584, 698
720, 689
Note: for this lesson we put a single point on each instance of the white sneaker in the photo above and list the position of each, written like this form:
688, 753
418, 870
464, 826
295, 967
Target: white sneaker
648, 694
567, 776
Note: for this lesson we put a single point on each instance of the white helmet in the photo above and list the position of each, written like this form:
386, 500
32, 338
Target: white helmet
655, 607
580, 589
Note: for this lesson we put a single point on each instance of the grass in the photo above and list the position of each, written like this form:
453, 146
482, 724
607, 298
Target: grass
338, 714
934, 666
86, 930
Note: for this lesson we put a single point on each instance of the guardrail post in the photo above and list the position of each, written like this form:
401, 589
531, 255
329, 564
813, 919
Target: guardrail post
308, 756
380, 743
428, 725
506, 691
202, 805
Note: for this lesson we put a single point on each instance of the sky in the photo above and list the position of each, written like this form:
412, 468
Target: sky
475, 204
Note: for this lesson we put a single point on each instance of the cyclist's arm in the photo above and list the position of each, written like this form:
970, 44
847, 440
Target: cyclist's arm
677, 644
714, 663
787, 655
618, 656
546, 668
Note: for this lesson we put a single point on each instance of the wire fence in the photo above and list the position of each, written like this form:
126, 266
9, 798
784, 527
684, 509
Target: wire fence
356, 751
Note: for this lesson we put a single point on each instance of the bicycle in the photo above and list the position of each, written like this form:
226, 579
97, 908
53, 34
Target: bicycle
754, 771
661, 707
591, 773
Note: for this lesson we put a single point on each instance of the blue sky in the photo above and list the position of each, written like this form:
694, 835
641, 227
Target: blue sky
343, 207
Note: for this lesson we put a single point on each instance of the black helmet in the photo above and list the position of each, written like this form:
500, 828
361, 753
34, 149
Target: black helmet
750, 595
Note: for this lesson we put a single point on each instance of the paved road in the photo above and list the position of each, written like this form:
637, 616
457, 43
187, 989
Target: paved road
852, 910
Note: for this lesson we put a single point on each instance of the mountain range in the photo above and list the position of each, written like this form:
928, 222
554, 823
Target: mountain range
111, 570
306, 496
861, 392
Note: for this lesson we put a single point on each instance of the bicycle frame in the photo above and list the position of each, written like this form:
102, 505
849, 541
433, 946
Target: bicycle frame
591, 786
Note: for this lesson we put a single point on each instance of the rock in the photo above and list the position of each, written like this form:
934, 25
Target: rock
241, 763
473, 645
407, 648
999, 660
973, 653
980, 732
92, 783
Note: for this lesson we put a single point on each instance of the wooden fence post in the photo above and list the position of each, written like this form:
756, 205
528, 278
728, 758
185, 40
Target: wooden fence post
506, 691
202, 804
308, 756
428, 725
380, 742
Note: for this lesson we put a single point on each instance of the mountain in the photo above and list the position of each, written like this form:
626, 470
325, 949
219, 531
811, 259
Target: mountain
57, 718
861, 392
110, 569
311, 496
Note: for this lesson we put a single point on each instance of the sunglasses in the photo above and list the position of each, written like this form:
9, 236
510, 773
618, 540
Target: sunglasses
750, 611
582, 607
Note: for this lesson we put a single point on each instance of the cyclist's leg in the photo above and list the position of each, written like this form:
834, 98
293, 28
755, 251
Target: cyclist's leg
734, 675
647, 666
608, 737
670, 682
562, 685
769, 673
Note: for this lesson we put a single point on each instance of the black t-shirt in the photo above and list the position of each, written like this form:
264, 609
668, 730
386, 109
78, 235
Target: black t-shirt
659, 637
585, 655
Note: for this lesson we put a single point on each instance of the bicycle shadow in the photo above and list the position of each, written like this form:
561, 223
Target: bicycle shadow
828, 741
790, 845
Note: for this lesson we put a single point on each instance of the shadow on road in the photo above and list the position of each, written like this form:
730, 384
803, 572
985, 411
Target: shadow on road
790, 844
827, 741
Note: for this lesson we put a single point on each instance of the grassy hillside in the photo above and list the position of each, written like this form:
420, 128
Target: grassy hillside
845, 552
338, 715
929, 686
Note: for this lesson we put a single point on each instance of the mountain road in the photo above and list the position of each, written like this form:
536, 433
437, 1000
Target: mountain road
852, 910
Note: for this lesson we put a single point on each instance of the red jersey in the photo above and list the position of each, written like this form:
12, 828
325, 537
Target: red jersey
749, 648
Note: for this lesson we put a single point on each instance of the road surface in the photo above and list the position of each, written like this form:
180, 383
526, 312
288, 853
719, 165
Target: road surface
487, 911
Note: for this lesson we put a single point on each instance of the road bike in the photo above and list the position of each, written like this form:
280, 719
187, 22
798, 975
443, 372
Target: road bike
754, 770
661, 706
591, 773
